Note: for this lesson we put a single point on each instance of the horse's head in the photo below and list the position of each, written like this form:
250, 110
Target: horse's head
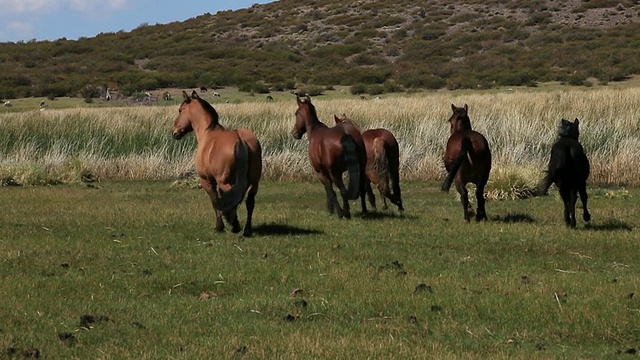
569, 129
305, 114
459, 120
343, 120
191, 109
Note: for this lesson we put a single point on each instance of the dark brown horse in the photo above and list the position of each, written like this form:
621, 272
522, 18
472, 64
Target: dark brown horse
383, 164
569, 169
467, 159
332, 151
228, 162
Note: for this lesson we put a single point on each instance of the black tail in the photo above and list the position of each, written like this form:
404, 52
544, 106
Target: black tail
465, 147
559, 162
350, 158
230, 200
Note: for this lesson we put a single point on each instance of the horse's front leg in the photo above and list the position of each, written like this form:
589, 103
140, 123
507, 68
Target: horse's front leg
213, 196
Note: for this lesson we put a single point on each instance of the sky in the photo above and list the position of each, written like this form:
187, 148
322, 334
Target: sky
25, 20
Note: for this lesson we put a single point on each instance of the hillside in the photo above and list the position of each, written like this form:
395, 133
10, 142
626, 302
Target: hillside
380, 46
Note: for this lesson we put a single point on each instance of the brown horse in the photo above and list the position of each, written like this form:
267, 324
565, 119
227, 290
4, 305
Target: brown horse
228, 162
332, 151
383, 163
467, 160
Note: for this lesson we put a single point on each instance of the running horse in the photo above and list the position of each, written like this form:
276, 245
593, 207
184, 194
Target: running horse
467, 159
569, 170
383, 163
228, 162
332, 151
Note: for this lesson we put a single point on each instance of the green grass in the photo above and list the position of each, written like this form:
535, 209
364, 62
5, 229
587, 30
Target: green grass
143, 259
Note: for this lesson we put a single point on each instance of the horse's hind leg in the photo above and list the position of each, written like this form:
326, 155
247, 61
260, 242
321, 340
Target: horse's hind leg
370, 195
481, 212
583, 198
344, 212
569, 198
213, 196
250, 203
232, 219
464, 199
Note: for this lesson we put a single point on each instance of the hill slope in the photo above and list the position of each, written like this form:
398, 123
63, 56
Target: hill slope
387, 46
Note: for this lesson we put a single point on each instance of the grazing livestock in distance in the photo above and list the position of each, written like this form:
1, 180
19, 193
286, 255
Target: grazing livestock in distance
467, 159
383, 164
332, 151
228, 162
569, 169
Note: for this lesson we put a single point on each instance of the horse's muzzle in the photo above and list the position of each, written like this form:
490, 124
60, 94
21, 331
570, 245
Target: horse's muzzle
178, 135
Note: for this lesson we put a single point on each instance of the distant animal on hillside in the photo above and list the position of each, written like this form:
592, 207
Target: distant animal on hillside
467, 159
333, 151
216, 94
228, 162
383, 164
166, 96
568, 169
203, 89
7, 103
269, 98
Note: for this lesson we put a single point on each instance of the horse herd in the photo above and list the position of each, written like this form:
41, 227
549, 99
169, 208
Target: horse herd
229, 162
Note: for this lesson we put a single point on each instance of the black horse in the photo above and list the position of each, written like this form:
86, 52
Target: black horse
569, 170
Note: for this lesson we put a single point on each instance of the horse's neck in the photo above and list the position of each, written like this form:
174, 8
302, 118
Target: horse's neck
314, 124
205, 125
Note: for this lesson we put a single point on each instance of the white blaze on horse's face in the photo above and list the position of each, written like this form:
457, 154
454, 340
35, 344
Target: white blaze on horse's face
182, 124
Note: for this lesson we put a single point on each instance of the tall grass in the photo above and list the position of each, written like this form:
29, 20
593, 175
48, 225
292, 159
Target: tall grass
134, 143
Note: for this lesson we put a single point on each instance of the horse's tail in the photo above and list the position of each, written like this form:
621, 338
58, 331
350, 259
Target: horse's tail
350, 158
381, 165
230, 199
465, 147
560, 159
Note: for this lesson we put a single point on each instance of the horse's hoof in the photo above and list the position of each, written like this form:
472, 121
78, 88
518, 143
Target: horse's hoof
219, 229
587, 217
247, 233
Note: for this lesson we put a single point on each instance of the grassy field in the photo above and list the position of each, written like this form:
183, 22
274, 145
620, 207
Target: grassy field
115, 143
133, 269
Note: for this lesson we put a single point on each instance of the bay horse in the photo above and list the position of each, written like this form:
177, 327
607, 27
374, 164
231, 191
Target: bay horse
383, 164
228, 162
332, 151
467, 159
569, 169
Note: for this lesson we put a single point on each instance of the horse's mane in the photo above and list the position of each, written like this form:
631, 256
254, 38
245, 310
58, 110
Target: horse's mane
462, 116
312, 112
209, 109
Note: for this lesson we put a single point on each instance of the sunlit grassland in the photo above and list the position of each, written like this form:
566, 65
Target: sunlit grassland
142, 258
60, 145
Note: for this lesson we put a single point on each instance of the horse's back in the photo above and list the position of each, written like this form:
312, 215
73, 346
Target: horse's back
476, 166
569, 160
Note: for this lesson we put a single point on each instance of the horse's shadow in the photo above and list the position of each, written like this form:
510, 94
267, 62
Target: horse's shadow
609, 225
514, 218
377, 215
282, 229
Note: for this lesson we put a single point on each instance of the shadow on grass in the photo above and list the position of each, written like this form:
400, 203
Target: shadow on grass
376, 215
514, 218
280, 229
609, 225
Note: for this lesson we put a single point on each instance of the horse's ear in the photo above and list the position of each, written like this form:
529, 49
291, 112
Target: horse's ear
184, 95
466, 107
298, 100
336, 118
194, 95
576, 121
453, 107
